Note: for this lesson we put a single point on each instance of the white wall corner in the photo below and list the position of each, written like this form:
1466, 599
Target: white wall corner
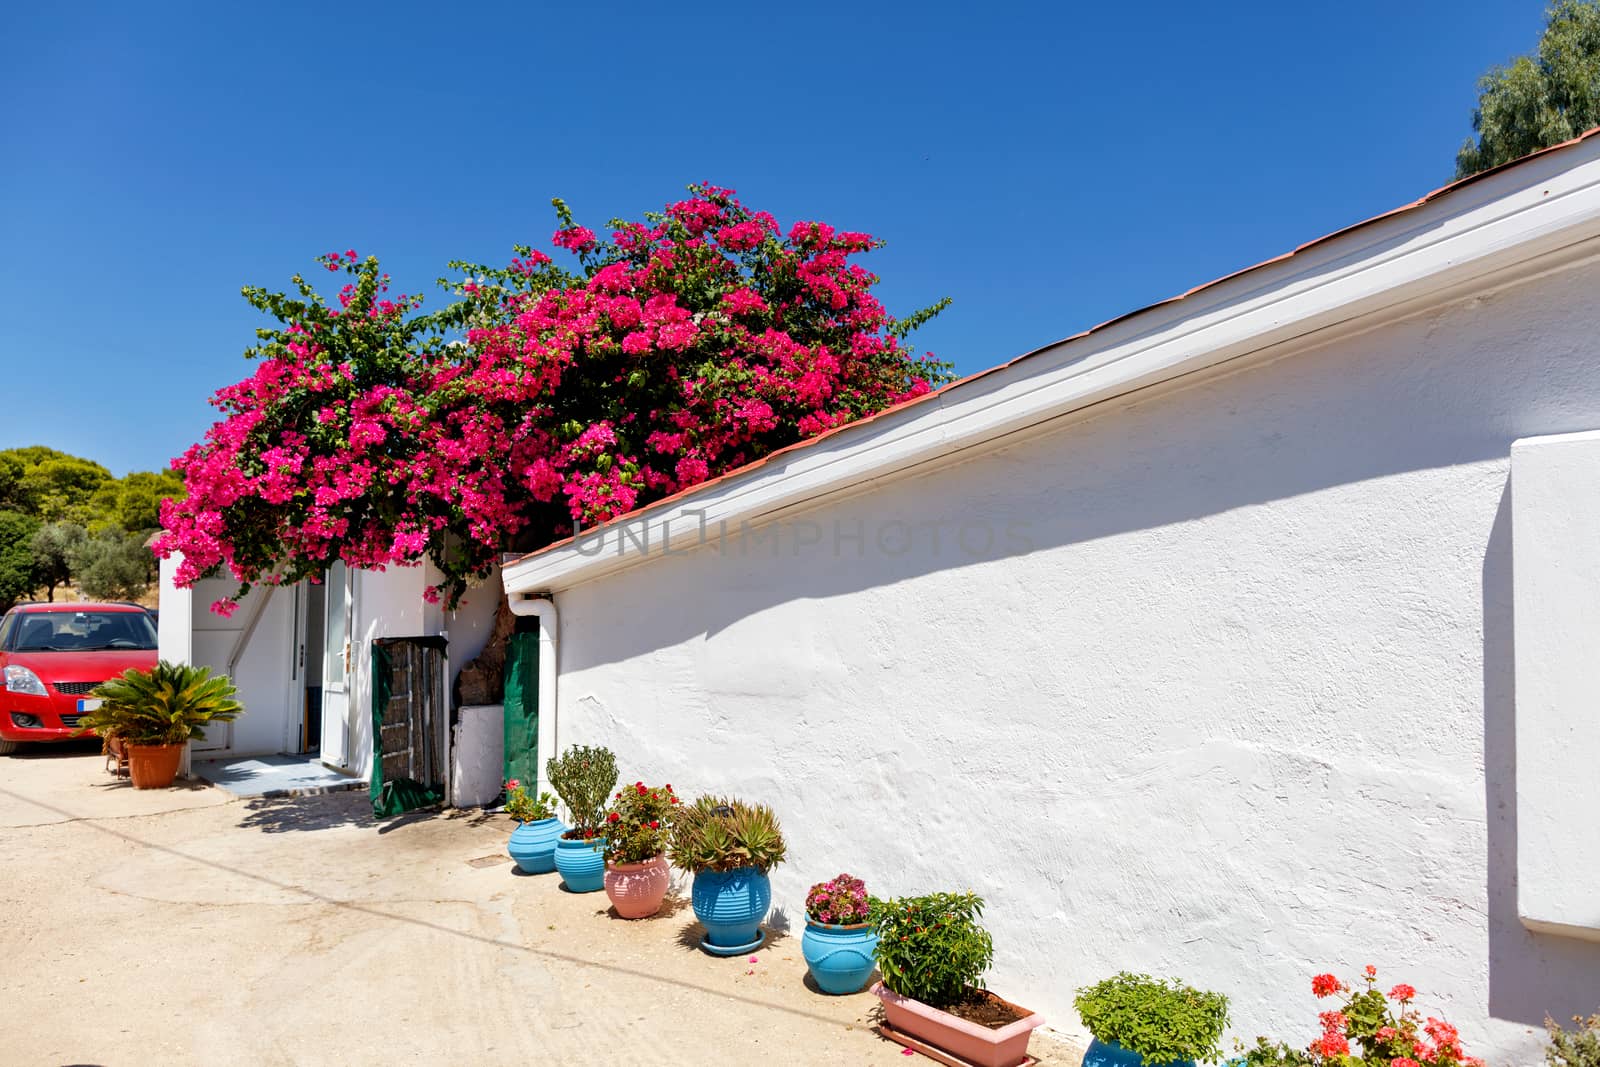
1555, 544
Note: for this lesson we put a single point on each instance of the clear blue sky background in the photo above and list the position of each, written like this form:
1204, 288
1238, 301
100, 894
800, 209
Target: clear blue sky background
1047, 165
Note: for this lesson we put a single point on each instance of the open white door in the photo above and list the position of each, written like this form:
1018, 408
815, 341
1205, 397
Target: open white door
336, 669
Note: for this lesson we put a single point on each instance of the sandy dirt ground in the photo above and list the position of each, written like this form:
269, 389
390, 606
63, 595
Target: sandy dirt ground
187, 927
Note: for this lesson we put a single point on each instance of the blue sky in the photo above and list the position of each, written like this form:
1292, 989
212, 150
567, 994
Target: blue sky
1046, 165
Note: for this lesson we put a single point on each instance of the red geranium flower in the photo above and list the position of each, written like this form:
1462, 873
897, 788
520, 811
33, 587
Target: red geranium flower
1402, 992
1325, 985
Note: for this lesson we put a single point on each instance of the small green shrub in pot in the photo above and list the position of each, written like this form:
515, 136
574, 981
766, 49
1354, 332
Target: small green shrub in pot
1160, 1020
583, 778
1578, 1047
932, 948
933, 953
523, 806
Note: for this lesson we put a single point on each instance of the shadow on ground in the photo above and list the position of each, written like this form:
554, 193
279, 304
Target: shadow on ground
329, 811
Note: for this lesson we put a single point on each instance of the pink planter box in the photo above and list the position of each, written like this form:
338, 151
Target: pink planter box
977, 1045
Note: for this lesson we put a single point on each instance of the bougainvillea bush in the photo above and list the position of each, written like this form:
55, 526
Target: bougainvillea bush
543, 400
1368, 1030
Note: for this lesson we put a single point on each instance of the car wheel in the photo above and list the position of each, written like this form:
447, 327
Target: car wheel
8, 747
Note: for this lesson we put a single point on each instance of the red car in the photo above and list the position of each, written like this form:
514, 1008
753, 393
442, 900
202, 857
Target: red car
51, 655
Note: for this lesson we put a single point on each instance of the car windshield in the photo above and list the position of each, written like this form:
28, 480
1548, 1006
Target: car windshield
83, 631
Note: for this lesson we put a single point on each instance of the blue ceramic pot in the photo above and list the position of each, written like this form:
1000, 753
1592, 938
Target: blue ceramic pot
841, 958
1111, 1054
582, 864
533, 845
731, 905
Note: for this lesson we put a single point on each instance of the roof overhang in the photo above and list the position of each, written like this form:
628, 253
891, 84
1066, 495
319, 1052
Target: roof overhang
1458, 237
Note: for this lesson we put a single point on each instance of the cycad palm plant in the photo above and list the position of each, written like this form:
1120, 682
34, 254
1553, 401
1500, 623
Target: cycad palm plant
166, 705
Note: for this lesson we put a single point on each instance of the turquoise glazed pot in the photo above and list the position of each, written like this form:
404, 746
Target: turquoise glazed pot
731, 905
1111, 1054
582, 864
841, 958
533, 845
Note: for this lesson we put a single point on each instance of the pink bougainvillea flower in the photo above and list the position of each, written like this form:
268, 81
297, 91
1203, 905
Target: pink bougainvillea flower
544, 402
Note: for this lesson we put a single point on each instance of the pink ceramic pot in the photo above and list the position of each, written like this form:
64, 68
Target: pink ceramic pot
637, 889
978, 1045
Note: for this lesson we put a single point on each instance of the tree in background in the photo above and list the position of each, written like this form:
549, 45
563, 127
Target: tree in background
134, 502
12, 470
57, 487
67, 498
53, 546
16, 557
1539, 100
688, 344
113, 564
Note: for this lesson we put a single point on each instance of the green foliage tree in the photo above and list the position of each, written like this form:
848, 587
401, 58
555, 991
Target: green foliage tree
54, 486
53, 546
12, 495
1539, 100
113, 565
17, 575
134, 502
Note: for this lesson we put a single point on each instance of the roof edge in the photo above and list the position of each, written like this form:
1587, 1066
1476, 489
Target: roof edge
1487, 233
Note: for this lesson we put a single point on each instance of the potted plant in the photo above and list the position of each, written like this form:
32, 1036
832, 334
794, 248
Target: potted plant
839, 944
1367, 1023
932, 953
583, 777
533, 842
1136, 1019
729, 846
636, 827
156, 712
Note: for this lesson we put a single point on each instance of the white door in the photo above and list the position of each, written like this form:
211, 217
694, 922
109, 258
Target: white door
336, 669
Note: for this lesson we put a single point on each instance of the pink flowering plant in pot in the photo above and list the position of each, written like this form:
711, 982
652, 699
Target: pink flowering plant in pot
636, 827
840, 946
543, 399
1368, 1028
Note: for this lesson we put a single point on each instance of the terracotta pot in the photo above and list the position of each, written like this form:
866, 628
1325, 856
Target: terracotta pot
637, 889
978, 1045
154, 766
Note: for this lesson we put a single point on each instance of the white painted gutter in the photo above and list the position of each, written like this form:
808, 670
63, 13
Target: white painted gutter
1458, 240
544, 609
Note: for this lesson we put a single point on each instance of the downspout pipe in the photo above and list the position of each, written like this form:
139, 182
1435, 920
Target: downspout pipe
543, 608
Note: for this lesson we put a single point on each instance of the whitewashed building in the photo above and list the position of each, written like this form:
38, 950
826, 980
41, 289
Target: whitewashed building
1250, 636
301, 656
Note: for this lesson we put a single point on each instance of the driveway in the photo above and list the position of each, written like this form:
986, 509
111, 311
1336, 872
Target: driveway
185, 927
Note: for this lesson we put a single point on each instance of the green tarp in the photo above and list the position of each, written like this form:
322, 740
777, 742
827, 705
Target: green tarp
522, 705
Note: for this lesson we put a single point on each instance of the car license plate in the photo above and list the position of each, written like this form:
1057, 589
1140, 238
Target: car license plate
89, 705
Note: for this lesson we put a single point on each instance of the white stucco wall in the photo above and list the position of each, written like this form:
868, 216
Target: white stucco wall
190, 632
1228, 697
389, 603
